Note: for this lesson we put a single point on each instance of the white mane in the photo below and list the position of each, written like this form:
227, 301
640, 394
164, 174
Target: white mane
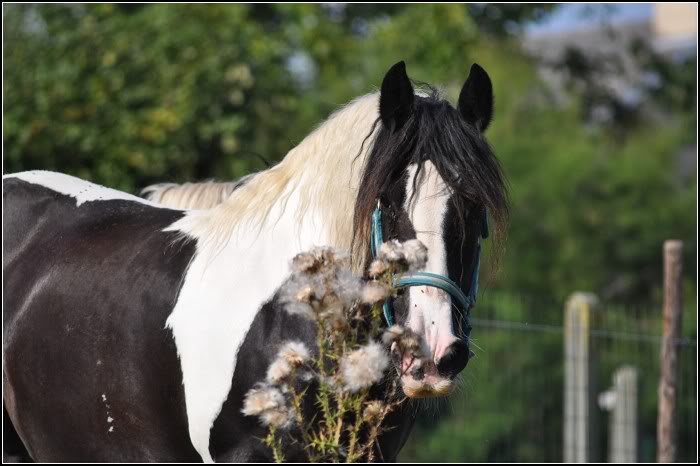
324, 170
202, 195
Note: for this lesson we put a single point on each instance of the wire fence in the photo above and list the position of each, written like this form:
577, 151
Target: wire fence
511, 407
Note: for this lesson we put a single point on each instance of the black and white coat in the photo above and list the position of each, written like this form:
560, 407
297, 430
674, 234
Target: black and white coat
133, 331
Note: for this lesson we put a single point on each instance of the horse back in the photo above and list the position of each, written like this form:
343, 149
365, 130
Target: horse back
90, 371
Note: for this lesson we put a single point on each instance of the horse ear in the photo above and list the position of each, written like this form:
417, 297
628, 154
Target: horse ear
476, 99
396, 98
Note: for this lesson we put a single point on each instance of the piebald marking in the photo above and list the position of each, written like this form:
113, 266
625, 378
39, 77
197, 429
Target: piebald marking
220, 294
430, 309
83, 191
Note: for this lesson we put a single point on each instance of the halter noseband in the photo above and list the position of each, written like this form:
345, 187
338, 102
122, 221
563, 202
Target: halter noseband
462, 301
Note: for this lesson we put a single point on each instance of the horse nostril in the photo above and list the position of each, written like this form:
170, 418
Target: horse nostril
418, 373
454, 360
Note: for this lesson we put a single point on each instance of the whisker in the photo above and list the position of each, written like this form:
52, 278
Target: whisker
473, 342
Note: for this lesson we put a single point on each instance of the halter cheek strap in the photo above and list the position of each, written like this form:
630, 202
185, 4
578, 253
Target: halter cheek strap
462, 301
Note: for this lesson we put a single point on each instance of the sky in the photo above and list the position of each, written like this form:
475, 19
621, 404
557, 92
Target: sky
580, 15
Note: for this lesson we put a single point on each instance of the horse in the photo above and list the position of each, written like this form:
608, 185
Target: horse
201, 195
132, 331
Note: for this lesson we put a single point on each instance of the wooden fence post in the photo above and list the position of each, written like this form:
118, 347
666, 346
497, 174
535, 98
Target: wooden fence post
622, 402
668, 379
580, 387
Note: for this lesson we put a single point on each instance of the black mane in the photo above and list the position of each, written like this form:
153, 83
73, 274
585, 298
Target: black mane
434, 131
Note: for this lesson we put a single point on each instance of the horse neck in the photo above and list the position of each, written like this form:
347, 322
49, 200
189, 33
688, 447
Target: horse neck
313, 188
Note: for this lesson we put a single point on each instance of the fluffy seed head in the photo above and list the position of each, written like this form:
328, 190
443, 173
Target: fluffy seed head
261, 398
373, 410
294, 352
416, 254
305, 262
377, 268
320, 278
375, 292
392, 251
277, 418
279, 371
392, 334
268, 403
363, 367
305, 294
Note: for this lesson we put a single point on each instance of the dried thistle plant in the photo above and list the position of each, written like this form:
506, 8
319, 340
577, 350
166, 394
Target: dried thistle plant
352, 356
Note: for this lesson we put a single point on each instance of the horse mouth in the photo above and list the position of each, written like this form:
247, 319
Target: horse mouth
425, 382
413, 388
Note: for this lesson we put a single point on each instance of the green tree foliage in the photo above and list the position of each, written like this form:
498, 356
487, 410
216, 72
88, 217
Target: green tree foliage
600, 208
129, 95
500, 19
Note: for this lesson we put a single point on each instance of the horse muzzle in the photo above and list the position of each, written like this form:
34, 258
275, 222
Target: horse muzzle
423, 378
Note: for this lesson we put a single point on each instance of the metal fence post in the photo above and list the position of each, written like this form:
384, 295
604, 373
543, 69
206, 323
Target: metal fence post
622, 402
668, 379
580, 387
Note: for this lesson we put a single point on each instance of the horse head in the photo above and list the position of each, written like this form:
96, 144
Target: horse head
432, 173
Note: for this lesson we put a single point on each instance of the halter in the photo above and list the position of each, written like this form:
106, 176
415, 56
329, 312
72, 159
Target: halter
464, 302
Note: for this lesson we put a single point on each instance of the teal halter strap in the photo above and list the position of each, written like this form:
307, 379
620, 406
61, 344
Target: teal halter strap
464, 302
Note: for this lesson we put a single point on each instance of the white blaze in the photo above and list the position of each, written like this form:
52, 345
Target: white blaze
430, 309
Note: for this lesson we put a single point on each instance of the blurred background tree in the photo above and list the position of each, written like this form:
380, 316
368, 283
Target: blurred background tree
127, 95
